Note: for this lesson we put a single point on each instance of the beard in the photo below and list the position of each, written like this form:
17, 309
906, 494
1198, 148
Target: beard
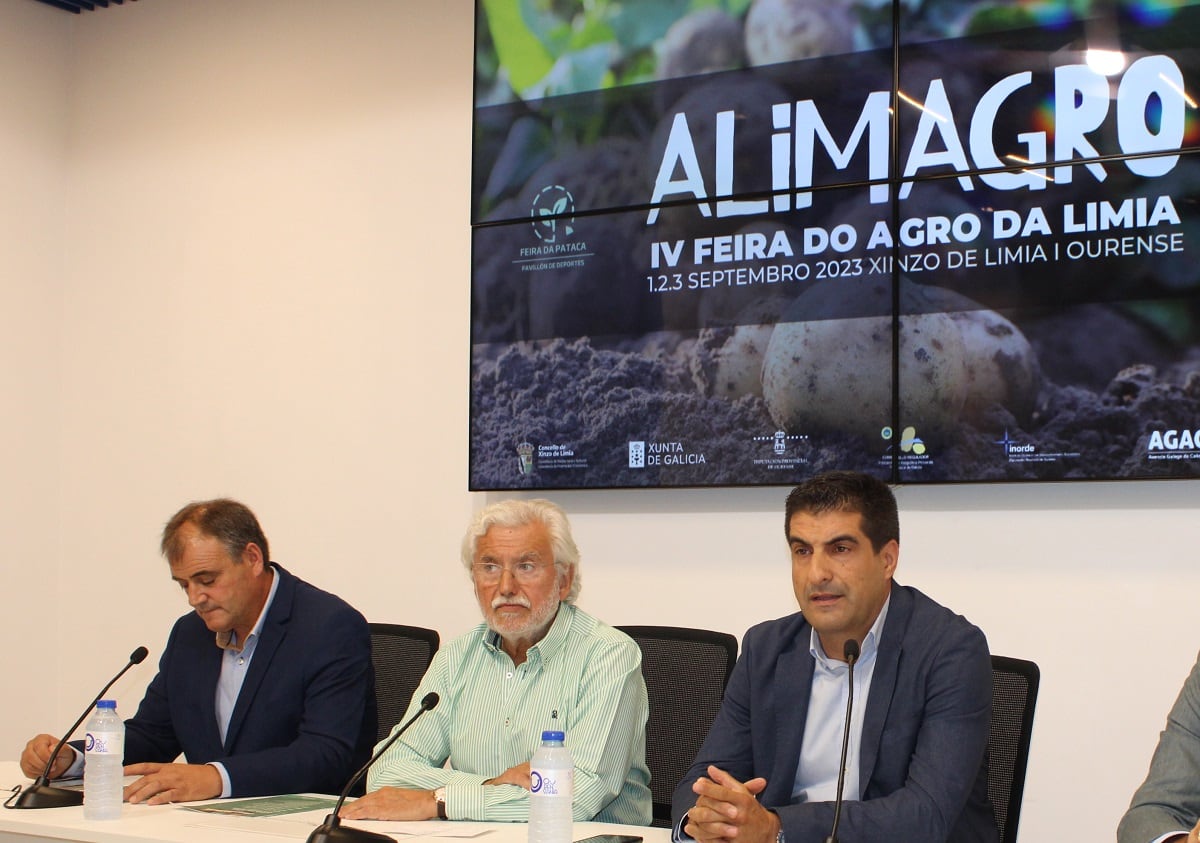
520, 626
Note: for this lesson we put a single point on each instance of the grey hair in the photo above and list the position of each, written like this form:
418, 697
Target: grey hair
232, 523
518, 513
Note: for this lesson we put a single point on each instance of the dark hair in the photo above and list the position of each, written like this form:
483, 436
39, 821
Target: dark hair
848, 491
227, 520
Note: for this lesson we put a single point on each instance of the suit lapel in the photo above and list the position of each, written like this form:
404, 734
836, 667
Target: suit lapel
792, 686
883, 683
274, 630
206, 676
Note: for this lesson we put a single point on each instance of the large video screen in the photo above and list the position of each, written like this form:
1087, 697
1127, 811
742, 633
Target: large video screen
741, 242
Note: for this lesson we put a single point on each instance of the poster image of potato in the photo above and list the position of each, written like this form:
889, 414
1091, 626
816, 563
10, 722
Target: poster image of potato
766, 287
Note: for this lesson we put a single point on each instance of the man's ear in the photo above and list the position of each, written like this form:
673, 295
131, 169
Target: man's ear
565, 582
891, 556
252, 555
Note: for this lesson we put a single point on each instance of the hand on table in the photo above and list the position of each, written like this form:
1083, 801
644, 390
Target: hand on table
391, 803
163, 783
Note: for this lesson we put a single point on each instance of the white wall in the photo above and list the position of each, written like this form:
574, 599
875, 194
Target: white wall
239, 265
34, 233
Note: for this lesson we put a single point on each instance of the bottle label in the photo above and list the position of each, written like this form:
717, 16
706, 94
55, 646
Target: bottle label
552, 782
105, 743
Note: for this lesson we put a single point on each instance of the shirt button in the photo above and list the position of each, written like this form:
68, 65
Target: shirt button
508, 675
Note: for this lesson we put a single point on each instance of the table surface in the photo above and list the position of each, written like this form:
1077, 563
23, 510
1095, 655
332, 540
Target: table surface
175, 824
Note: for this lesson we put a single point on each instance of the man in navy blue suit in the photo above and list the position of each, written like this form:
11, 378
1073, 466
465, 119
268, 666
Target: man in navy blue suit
916, 767
266, 687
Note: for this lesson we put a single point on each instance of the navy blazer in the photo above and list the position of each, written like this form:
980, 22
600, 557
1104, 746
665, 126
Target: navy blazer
923, 767
305, 717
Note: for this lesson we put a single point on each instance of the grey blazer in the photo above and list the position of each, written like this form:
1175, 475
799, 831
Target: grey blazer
1169, 798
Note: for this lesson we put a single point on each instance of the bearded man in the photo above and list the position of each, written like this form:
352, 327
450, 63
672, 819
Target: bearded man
537, 662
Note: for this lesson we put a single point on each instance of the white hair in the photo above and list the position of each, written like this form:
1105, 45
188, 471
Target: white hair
518, 513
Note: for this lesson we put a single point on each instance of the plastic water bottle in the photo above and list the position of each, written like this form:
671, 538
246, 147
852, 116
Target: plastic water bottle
552, 786
104, 753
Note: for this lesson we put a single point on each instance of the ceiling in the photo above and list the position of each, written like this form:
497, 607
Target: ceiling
77, 6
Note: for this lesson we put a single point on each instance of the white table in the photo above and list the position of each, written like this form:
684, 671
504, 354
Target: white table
173, 824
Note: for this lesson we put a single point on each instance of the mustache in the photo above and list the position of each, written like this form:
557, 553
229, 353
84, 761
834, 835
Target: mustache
516, 600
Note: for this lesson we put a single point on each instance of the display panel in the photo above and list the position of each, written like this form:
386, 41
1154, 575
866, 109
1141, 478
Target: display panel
737, 243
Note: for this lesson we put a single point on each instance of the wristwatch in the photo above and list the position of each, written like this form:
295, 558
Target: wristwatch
439, 796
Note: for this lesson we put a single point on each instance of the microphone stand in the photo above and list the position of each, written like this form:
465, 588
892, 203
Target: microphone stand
41, 794
850, 652
332, 830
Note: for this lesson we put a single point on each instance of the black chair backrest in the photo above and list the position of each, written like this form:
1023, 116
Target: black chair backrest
401, 655
1014, 696
686, 671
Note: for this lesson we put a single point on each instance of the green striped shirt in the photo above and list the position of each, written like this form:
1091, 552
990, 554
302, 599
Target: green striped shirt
491, 716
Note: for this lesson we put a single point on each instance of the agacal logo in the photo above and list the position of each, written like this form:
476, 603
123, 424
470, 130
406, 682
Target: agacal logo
1174, 440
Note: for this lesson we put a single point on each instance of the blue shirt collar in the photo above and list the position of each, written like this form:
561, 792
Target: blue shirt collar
867, 647
228, 640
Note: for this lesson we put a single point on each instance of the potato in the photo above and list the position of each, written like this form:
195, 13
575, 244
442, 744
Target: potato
828, 366
1002, 368
728, 361
1001, 365
703, 41
791, 30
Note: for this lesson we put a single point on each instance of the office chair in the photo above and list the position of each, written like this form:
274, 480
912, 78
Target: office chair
401, 655
686, 671
1014, 695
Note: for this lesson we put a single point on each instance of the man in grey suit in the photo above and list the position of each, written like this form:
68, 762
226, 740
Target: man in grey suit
1167, 805
916, 770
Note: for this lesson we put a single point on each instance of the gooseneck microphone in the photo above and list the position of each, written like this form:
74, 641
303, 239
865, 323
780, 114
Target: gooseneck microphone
40, 794
332, 830
850, 651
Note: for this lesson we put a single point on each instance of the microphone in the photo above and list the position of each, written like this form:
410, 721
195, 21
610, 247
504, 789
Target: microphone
40, 794
332, 830
850, 651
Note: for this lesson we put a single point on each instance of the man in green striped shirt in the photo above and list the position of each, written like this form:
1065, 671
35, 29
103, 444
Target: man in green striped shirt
537, 662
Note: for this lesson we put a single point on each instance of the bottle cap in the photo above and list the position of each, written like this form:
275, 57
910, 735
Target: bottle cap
550, 735
107, 704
